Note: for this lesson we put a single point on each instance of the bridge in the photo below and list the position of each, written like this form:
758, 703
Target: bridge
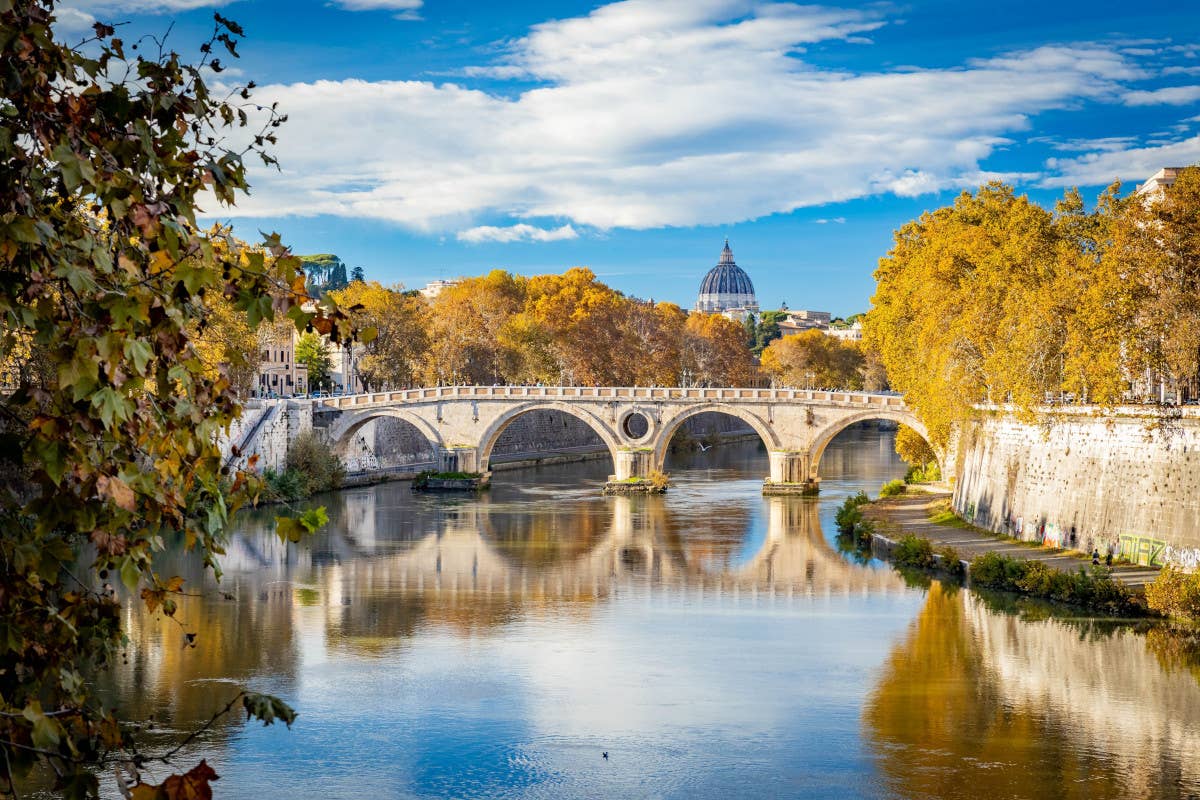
636, 423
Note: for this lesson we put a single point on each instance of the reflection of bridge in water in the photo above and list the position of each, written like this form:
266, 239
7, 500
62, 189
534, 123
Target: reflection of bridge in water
639, 546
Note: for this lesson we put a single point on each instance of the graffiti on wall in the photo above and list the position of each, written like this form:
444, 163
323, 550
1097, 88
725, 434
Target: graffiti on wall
1143, 550
1186, 558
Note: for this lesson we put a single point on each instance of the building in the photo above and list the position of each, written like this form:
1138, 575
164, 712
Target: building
1157, 183
434, 288
852, 334
279, 375
344, 374
727, 289
804, 320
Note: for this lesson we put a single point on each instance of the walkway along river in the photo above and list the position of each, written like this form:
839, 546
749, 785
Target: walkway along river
712, 641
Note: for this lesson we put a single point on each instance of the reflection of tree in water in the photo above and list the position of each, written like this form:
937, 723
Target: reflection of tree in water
242, 643
978, 704
549, 536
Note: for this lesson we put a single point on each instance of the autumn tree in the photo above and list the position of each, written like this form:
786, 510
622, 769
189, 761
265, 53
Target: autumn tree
814, 359
1158, 242
912, 447
465, 326
962, 309
394, 359
715, 352
108, 442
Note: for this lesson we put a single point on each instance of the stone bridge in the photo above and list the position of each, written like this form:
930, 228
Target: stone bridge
635, 423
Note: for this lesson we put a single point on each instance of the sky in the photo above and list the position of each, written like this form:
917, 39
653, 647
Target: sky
430, 139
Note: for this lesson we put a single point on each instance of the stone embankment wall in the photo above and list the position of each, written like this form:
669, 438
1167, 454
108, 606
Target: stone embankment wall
1120, 482
264, 430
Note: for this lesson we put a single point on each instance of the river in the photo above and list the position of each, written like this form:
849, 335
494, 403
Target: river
714, 643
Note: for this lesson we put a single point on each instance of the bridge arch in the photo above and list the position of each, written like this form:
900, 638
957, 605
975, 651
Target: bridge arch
830, 432
668, 428
491, 435
341, 434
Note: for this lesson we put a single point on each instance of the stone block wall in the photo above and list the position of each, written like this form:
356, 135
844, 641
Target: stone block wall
266, 430
1117, 483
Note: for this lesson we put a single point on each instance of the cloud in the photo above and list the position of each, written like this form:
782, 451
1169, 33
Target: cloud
652, 113
516, 233
1171, 95
1129, 164
834, 220
407, 9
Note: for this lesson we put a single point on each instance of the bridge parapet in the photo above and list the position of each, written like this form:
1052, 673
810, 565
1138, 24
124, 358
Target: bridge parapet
625, 393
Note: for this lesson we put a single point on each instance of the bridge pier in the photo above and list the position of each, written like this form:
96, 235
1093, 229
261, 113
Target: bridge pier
632, 472
791, 474
458, 459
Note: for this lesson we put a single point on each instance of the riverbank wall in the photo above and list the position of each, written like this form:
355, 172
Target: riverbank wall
1126, 482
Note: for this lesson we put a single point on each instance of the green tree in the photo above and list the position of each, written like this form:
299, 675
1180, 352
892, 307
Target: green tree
313, 352
108, 444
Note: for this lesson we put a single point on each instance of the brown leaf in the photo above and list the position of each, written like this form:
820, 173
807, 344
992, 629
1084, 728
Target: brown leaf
191, 785
116, 490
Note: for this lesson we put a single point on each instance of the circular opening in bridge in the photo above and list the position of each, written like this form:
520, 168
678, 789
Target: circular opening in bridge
635, 425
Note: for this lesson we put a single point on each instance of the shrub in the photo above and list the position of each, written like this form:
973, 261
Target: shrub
1175, 594
923, 473
316, 463
892, 488
951, 561
659, 480
848, 514
286, 485
1095, 589
913, 551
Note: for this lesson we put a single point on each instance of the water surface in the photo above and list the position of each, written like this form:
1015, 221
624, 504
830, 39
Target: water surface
713, 642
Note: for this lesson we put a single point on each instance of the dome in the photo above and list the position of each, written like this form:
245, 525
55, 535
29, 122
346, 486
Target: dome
726, 287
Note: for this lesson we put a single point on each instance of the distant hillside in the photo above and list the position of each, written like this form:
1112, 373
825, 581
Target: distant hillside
325, 272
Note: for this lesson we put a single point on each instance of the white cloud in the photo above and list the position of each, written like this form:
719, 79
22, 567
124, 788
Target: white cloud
1170, 95
1130, 164
516, 233
834, 220
406, 9
663, 112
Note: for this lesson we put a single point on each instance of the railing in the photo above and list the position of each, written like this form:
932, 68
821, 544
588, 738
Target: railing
732, 393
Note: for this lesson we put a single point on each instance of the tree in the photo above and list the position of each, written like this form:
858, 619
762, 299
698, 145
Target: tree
313, 352
108, 444
357, 275
393, 359
1160, 237
814, 359
465, 329
962, 312
715, 352
767, 329
912, 447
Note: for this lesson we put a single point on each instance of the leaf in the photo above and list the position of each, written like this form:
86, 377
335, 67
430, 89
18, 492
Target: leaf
267, 708
191, 785
116, 490
130, 574
140, 352
367, 335
289, 530
314, 518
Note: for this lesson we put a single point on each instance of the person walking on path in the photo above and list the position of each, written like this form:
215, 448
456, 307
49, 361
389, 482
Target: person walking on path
1096, 556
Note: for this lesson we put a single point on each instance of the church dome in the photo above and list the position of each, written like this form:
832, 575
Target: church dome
726, 287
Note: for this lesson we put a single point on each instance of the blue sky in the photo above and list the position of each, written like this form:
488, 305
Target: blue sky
435, 139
